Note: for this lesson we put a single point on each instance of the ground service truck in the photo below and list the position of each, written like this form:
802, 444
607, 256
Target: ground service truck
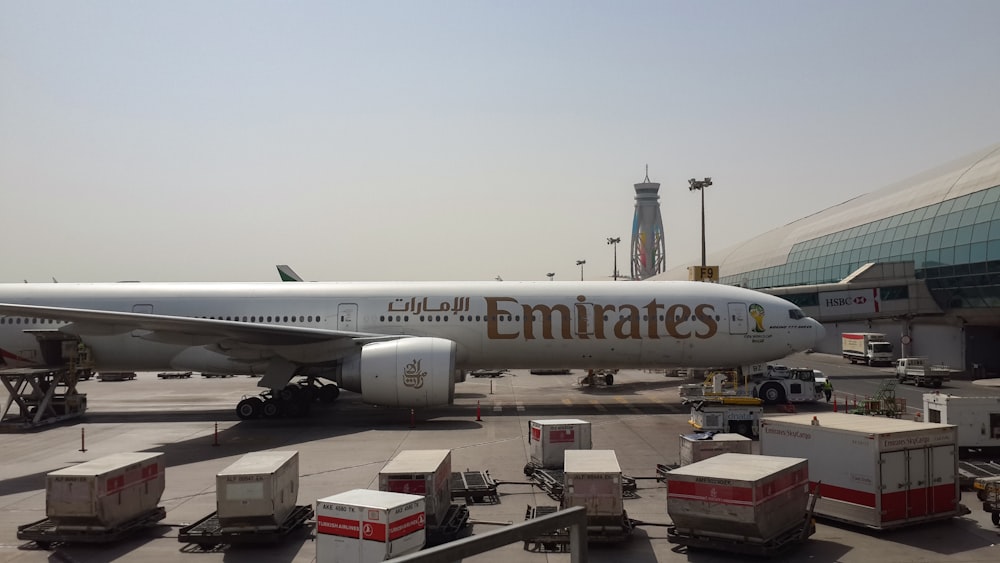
866, 347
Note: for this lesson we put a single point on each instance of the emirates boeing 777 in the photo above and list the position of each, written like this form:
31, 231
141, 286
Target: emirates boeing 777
397, 344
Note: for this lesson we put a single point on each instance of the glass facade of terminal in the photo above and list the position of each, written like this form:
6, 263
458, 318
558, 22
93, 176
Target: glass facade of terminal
954, 245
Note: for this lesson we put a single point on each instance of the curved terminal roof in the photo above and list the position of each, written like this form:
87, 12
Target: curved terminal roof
978, 171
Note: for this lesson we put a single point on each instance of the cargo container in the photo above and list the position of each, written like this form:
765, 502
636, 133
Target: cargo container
106, 492
593, 479
874, 472
977, 419
548, 439
739, 499
362, 525
703, 445
258, 491
421, 472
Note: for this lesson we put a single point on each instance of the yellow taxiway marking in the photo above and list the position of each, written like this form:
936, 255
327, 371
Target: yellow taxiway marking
631, 408
598, 405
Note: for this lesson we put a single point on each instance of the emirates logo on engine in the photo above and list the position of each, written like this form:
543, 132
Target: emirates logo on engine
413, 376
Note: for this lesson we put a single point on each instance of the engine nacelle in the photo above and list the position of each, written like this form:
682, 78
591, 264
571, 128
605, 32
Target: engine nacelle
409, 372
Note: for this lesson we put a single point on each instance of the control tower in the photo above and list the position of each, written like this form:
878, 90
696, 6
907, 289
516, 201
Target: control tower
648, 245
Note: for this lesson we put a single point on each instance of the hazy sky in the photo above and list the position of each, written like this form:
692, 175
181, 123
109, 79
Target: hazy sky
459, 140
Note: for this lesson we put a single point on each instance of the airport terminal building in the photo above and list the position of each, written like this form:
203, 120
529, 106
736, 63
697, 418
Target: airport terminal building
918, 260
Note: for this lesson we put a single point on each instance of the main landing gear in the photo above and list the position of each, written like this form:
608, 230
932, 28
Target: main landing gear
292, 401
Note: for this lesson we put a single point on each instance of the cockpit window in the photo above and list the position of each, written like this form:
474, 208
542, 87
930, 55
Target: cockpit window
796, 314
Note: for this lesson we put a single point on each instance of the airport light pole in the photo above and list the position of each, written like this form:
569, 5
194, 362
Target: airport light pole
551, 276
701, 185
613, 241
580, 263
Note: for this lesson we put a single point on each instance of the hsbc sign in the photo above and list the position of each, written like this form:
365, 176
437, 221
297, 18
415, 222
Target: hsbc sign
855, 301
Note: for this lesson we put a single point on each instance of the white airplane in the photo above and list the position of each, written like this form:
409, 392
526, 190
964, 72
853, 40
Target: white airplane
397, 344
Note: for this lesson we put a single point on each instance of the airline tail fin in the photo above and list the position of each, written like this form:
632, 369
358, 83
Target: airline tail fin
288, 274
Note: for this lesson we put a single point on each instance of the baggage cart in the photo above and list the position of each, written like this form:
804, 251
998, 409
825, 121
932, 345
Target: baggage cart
46, 532
209, 533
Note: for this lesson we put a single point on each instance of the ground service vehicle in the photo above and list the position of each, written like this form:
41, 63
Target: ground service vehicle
920, 372
866, 347
779, 384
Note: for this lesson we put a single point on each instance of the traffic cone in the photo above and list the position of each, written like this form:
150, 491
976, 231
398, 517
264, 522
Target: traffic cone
834, 403
815, 421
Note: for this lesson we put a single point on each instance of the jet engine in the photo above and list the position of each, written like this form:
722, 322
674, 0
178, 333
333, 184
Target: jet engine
409, 372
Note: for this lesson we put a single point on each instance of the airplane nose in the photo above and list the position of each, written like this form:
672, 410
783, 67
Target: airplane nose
818, 332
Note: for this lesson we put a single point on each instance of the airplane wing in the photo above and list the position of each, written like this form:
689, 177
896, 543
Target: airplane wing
188, 330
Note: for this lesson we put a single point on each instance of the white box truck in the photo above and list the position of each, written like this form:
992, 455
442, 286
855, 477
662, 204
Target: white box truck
362, 526
977, 419
870, 348
874, 472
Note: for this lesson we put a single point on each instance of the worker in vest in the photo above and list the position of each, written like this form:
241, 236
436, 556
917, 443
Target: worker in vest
828, 389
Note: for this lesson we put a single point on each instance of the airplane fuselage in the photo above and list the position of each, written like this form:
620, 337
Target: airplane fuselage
506, 324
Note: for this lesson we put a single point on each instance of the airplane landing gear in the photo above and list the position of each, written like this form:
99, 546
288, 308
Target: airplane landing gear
293, 401
249, 408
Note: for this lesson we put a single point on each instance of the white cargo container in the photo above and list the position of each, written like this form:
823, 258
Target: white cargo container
593, 479
421, 472
548, 439
874, 472
362, 525
105, 492
258, 491
698, 447
749, 498
977, 419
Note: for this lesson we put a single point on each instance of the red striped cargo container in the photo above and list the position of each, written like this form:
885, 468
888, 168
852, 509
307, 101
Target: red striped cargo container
549, 439
362, 526
103, 493
739, 497
421, 472
878, 473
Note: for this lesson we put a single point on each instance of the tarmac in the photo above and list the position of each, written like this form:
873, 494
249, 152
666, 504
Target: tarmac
343, 447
